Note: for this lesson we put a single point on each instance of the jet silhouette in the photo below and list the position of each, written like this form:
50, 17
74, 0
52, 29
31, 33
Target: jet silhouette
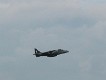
51, 53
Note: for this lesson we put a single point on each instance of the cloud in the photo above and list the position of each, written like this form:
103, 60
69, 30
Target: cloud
71, 13
85, 44
77, 26
55, 12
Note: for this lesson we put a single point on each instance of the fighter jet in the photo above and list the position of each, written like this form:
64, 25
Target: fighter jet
51, 53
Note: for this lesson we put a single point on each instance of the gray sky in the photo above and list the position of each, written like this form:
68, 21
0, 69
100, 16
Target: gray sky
76, 25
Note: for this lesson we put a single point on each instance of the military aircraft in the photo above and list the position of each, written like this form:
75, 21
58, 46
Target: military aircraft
51, 53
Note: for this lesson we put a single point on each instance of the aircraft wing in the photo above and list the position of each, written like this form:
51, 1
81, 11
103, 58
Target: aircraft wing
49, 52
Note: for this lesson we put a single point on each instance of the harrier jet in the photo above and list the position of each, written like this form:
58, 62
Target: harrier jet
51, 53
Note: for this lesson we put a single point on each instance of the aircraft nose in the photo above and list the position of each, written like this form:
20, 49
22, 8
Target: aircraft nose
66, 51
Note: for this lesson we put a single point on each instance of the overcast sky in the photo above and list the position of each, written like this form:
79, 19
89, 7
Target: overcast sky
75, 25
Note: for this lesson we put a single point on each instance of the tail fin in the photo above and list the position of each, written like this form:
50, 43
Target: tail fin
37, 53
